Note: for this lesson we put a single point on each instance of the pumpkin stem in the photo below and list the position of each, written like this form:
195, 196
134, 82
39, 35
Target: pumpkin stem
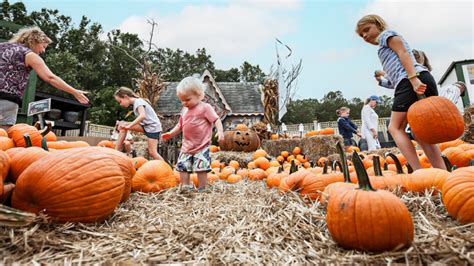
362, 177
311, 163
280, 169
325, 168
293, 167
27, 140
471, 163
385, 166
398, 165
337, 164
345, 167
448, 164
409, 169
44, 144
376, 165
420, 96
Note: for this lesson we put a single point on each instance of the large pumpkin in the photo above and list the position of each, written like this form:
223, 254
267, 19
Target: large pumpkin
4, 167
154, 176
22, 159
18, 131
435, 120
6, 143
240, 140
364, 218
457, 156
458, 194
71, 186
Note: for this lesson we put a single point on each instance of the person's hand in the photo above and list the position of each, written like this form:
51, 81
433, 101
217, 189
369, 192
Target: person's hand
358, 134
374, 134
166, 136
418, 86
81, 97
379, 73
220, 138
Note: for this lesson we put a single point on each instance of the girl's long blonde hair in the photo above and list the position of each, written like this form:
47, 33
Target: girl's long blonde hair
30, 36
371, 19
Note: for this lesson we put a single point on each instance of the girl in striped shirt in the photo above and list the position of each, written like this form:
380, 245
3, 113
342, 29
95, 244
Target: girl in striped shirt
407, 77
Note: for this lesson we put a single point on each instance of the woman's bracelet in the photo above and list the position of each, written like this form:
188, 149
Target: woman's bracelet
414, 75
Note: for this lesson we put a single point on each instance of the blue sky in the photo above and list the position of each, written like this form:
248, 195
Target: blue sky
319, 32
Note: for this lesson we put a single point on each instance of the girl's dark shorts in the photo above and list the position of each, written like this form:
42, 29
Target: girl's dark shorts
405, 96
155, 135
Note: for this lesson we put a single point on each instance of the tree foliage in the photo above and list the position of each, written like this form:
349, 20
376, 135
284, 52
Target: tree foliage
308, 110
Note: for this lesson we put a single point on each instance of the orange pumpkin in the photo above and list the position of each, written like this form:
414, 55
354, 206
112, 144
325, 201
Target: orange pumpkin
458, 194
285, 154
244, 173
6, 143
296, 151
259, 153
425, 179
234, 164
457, 156
454, 143
71, 186
257, 174
439, 110
154, 176
214, 148
51, 136
139, 161
226, 172
4, 167
327, 131
322, 161
349, 208
234, 178
17, 132
262, 162
215, 164
241, 127
106, 144
274, 136
3, 133
22, 159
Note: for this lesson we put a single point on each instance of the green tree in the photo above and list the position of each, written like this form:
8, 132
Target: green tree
251, 73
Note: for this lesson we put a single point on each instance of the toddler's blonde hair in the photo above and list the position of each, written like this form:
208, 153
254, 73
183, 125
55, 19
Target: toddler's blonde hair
371, 19
30, 36
191, 84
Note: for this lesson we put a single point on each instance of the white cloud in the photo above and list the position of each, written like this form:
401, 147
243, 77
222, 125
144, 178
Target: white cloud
236, 30
443, 29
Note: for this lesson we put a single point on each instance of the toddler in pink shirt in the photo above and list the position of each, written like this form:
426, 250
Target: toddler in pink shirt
196, 123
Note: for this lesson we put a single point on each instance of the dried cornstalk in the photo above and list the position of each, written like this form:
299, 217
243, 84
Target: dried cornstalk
270, 102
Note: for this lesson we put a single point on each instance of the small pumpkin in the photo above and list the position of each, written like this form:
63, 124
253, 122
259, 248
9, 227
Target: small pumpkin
457, 156
262, 162
139, 161
257, 174
51, 136
154, 176
234, 178
106, 144
6, 143
18, 131
327, 131
259, 153
234, 164
439, 110
3, 133
296, 151
214, 148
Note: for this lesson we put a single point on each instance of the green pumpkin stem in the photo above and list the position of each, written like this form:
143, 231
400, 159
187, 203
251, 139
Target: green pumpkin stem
447, 163
376, 165
385, 166
362, 177
409, 169
44, 144
27, 140
325, 168
293, 167
398, 165
345, 167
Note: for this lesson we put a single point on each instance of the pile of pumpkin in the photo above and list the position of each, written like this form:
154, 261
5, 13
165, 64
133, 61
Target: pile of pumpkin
71, 181
362, 184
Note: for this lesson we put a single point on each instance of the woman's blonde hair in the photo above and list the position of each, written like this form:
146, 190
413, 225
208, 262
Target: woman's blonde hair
30, 36
124, 91
191, 84
371, 19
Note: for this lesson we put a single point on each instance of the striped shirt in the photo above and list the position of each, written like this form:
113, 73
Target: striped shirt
390, 62
452, 92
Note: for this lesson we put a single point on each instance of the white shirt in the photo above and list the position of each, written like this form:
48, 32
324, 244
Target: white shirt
452, 92
370, 120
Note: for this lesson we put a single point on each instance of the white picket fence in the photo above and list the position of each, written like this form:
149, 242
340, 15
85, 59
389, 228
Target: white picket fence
293, 130
92, 130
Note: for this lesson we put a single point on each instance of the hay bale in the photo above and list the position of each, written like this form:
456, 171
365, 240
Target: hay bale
226, 156
313, 147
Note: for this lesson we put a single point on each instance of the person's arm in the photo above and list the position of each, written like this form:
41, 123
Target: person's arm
140, 117
220, 131
175, 131
37, 63
395, 43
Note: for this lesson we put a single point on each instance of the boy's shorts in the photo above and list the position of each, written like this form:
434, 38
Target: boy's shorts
199, 162
8, 112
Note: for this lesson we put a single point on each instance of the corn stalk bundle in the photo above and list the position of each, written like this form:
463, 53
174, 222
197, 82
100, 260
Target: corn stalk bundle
261, 129
150, 85
270, 101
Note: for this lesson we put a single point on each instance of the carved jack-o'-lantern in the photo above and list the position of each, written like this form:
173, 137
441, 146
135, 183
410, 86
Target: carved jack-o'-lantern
241, 140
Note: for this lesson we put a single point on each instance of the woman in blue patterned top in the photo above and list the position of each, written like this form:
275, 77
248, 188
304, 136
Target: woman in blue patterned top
407, 77
17, 58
